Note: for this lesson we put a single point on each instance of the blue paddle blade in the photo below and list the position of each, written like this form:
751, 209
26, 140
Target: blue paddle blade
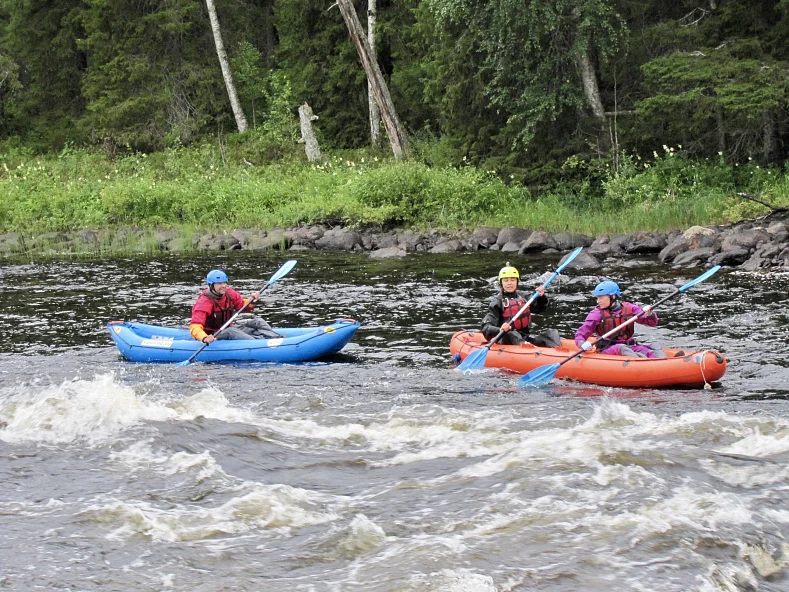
286, 267
539, 376
184, 363
701, 278
474, 361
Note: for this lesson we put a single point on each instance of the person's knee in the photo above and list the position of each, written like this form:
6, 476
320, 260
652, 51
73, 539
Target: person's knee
552, 338
626, 351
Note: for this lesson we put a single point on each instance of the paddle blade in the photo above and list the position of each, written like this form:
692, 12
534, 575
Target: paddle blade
701, 278
474, 361
286, 267
539, 376
569, 259
184, 363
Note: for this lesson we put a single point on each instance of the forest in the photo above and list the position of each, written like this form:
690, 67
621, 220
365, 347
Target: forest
569, 97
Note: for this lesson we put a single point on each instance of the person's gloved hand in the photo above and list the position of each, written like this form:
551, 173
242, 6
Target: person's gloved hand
647, 310
586, 346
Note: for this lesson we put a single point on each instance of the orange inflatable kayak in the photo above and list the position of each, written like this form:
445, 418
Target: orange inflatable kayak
681, 368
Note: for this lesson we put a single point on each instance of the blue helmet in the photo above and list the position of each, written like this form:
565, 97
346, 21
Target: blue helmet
607, 288
216, 276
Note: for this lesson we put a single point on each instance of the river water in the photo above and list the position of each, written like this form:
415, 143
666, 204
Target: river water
383, 469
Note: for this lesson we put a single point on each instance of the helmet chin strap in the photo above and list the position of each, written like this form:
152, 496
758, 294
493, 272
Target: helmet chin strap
211, 287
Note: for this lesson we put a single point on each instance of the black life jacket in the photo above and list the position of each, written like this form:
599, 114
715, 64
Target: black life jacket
612, 319
510, 307
223, 311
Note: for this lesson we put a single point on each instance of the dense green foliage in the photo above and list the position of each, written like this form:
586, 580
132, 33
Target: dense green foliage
565, 100
209, 187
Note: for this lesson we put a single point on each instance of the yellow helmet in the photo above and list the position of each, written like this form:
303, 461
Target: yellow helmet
509, 272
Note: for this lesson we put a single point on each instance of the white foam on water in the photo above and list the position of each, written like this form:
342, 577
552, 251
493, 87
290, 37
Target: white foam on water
727, 577
257, 506
781, 516
30, 508
767, 561
425, 435
613, 427
752, 475
363, 535
352, 540
99, 409
452, 580
700, 511
140, 456
94, 410
758, 444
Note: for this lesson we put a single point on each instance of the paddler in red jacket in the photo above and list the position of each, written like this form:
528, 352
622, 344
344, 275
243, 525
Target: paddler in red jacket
216, 305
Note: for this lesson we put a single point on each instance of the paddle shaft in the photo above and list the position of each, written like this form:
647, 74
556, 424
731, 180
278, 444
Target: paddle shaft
624, 325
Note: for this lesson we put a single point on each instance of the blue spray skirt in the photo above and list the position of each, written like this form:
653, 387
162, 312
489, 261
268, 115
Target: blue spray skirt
139, 342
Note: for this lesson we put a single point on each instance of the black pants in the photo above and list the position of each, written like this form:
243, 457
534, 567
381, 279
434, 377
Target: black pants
547, 338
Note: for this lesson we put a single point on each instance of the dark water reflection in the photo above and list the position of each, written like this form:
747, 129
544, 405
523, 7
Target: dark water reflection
408, 308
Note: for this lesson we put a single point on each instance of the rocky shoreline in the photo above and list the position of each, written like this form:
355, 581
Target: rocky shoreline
749, 245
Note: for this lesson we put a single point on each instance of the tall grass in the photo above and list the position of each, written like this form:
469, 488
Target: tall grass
205, 187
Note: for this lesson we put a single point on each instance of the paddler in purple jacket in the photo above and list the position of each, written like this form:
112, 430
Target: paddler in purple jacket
612, 312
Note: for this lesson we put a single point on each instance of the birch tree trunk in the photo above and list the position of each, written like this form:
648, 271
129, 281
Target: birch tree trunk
591, 88
375, 112
592, 94
238, 112
395, 131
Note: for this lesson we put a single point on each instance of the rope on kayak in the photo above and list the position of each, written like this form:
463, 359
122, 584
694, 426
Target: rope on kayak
707, 385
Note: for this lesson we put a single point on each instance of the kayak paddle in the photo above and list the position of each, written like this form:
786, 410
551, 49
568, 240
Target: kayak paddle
543, 375
280, 272
476, 360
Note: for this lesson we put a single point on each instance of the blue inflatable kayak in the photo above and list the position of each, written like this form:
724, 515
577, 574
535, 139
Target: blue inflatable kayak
150, 343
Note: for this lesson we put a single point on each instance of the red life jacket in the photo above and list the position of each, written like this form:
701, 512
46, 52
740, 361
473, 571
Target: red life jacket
613, 319
222, 311
510, 307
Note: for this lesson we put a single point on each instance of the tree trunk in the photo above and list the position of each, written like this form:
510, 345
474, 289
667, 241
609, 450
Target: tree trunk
269, 34
768, 131
592, 94
721, 129
592, 91
395, 131
308, 138
375, 112
591, 88
238, 112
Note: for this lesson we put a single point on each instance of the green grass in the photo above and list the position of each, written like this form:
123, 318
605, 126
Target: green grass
206, 188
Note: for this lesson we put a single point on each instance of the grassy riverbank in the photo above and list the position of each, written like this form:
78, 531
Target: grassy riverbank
215, 189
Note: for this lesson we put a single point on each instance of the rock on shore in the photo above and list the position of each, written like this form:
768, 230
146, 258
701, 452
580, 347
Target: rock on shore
749, 245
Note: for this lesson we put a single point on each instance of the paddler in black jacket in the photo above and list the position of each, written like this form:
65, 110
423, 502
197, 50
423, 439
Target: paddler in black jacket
505, 305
